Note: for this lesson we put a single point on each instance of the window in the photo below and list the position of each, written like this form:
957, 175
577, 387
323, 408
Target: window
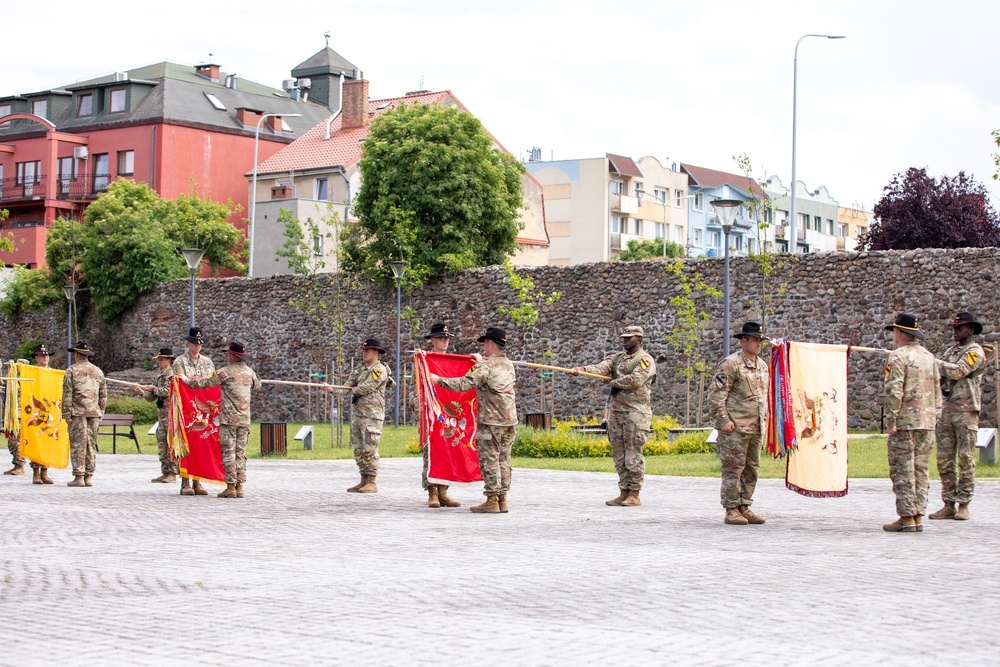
85, 105
67, 173
662, 196
698, 237
842, 230
29, 172
39, 107
635, 227
126, 163
101, 172
618, 224
751, 245
638, 192
117, 103
617, 187
4, 111
715, 239
678, 198
322, 192
817, 223
659, 230
678, 234
699, 202
214, 101
803, 222
317, 244
829, 227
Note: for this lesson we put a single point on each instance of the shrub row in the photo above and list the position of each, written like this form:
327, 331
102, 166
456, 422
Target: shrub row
143, 411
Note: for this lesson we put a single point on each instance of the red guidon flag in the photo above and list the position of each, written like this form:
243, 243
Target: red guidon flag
447, 419
193, 433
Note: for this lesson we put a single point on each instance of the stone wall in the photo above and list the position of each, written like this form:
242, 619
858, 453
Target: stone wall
828, 298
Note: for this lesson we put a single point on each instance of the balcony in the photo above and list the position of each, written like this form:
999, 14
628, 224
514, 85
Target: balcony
14, 189
82, 187
625, 204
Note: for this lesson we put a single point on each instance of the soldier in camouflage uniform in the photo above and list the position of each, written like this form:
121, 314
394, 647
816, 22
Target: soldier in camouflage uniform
912, 405
159, 392
633, 373
85, 394
437, 494
961, 371
367, 413
737, 404
493, 378
193, 364
40, 474
237, 381
14, 445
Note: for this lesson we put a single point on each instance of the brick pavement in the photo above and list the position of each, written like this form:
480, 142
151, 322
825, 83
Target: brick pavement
302, 573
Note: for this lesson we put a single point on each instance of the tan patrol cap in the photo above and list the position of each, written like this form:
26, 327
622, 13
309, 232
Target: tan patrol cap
632, 330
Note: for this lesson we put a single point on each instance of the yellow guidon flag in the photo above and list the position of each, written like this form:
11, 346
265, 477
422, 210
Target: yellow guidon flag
44, 435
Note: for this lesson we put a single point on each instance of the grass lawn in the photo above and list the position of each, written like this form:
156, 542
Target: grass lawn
867, 455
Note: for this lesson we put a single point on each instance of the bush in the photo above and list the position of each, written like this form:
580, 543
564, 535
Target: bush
562, 442
28, 289
142, 410
692, 443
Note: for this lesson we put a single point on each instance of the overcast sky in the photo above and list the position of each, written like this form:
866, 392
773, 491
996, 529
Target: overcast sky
915, 83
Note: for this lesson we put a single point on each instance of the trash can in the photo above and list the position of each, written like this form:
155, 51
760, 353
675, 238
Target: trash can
538, 419
273, 438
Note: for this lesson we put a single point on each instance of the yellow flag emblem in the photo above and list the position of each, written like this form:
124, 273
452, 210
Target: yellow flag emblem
887, 368
972, 357
376, 373
644, 364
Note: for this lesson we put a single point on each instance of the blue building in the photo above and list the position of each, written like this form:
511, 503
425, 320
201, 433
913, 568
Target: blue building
705, 236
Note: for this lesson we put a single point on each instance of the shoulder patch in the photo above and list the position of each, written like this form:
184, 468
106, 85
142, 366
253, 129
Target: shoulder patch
376, 373
644, 363
720, 380
888, 367
972, 357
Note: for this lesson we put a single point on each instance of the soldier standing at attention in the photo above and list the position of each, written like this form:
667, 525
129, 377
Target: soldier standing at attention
437, 494
193, 364
14, 447
912, 405
493, 378
367, 413
159, 391
85, 394
737, 404
961, 370
40, 474
633, 373
237, 381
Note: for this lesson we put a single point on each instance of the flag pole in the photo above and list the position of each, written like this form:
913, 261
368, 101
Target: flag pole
562, 370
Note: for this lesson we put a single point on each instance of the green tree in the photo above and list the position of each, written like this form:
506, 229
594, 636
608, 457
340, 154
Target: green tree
193, 221
436, 193
525, 313
640, 249
301, 239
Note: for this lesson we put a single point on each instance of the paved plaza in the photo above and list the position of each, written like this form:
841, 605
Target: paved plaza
302, 573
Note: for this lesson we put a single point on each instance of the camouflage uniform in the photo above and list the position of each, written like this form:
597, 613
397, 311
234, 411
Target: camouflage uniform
185, 366
85, 394
237, 381
493, 378
368, 414
160, 394
14, 447
912, 403
961, 372
631, 416
739, 395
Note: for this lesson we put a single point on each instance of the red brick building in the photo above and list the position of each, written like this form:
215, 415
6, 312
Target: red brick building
168, 125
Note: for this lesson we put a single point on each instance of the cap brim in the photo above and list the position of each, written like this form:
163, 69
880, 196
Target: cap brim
483, 339
749, 335
914, 332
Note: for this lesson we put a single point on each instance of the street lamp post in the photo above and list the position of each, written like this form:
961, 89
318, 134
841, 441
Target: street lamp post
795, 86
253, 188
726, 209
70, 292
398, 269
192, 257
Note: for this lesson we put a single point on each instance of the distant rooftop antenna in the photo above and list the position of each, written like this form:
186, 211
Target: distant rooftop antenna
421, 82
209, 57
326, 36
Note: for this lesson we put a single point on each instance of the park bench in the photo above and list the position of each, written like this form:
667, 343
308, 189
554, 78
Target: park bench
986, 443
117, 422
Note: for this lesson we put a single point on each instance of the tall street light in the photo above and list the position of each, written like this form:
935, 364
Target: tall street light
398, 269
253, 188
70, 291
726, 209
795, 86
660, 200
192, 257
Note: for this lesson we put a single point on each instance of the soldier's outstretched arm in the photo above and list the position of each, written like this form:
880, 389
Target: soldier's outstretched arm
603, 368
213, 380
464, 383
374, 379
972, 361
643, 370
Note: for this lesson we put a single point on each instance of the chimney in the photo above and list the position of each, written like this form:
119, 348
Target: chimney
355, 111
281, 191
248, 117
275, 124
209, 71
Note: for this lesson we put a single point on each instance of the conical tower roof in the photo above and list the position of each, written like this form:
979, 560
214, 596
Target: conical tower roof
325, 61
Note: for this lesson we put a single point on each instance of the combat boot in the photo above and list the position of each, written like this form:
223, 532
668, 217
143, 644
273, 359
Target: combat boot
369, 485
36, 476
918, 523
230, 492
169, 478
734, 518
239, 489
18, 469
904, 524
198, 489
354, 489
491, 506
962, 513
44, 474
632, 500
88, 480
751, 518
615, 502
432, 496
445, 499
159, 480
77, 481
946, 512
502, 503
186, 489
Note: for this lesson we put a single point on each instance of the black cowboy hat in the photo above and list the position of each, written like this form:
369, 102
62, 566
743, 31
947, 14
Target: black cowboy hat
373, 344
967, 318
195, 336
905, 323
236, 349
82, 348
439, 331
40, 349
165, 353
750, 329
495, 334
